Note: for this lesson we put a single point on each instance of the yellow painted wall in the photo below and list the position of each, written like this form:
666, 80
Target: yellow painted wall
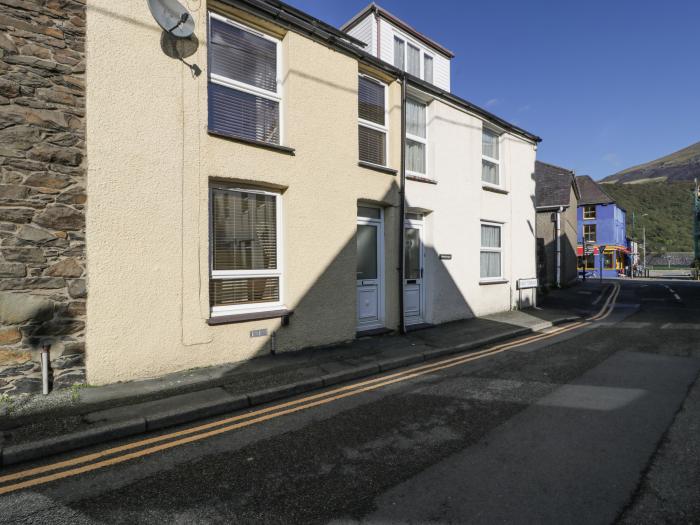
150, 160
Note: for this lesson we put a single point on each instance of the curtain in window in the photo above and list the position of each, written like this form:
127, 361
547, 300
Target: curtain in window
233, 112
415, 118
244, 230
399, 53
490, 265
413, 60
489, 144
240, 55
371, 100
489, 172
490, 260
415, 156
428, 68
490, 236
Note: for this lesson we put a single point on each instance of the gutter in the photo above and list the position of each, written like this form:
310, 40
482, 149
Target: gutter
291, 18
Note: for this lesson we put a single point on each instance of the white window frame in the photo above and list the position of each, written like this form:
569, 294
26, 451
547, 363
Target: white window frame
422, 52
277, 96
595, 213
492, 250
422, 140
377, 127
247, 274
491, 160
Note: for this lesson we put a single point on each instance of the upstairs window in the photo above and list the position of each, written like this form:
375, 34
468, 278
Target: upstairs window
372, 128
416, 137
409, 58
490, 160
589, 233
428, 68
245, 250
399, 52
244, 89
589, 213
413, 61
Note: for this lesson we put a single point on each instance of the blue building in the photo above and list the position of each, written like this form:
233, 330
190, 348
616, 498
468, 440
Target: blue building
601, 227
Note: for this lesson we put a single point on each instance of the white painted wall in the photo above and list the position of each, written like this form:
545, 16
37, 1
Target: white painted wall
459, 204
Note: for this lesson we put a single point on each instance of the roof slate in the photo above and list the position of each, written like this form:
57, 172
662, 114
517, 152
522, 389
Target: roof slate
591, 192
553, 185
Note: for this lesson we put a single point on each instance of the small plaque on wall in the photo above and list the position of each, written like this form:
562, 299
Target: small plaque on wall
445, 256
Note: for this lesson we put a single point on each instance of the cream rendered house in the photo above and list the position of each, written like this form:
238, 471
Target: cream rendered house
470, 221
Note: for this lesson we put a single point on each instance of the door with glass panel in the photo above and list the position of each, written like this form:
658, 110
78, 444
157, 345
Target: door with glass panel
370, 278
414, 289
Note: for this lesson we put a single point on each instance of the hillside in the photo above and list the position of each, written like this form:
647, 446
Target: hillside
681, 166
670, 207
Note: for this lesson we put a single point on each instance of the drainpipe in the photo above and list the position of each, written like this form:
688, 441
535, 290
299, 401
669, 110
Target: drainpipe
558, 237
379, 35
45, 369
402, 206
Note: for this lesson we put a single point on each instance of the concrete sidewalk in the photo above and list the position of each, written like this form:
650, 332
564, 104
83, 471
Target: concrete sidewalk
66, 420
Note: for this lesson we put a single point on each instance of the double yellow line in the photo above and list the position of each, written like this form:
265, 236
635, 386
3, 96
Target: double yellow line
145, 447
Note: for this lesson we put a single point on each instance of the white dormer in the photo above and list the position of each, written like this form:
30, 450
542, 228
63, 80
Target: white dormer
397, 43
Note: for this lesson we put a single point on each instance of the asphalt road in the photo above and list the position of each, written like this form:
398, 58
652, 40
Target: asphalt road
597, 424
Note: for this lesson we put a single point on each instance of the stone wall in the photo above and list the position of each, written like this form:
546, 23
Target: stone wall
42, 191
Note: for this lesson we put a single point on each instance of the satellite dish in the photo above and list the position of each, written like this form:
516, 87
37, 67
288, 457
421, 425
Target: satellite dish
172, 17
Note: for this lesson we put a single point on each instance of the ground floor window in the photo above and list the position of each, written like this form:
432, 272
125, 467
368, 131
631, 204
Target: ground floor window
245, 250
587, 262
609, 260
491, 252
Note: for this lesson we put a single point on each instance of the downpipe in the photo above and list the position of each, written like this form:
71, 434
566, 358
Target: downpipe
558, 237
45, 349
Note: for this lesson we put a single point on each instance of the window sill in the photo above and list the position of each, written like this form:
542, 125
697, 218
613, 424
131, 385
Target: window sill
376, 167
494, 189
251, 142
251, 316
494, 281
418, 178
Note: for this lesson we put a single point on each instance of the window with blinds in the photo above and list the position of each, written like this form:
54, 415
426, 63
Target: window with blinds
491, 252
245, 269
416, 137
372, 129
490, 157
243, 91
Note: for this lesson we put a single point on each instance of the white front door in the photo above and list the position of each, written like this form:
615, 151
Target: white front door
370, 279
414, 288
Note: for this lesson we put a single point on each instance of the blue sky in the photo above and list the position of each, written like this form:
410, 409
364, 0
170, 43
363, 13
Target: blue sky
606, 83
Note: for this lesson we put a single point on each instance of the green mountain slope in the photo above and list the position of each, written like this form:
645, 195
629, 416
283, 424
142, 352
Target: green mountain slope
669, 206
682, 165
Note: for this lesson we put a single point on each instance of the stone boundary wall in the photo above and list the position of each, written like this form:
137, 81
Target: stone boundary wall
42, 191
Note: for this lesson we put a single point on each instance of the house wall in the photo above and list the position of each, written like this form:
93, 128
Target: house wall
42, 192
147, 226
546, 231
457, 204
569, 230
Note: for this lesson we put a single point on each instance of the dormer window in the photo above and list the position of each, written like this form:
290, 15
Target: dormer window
412, 60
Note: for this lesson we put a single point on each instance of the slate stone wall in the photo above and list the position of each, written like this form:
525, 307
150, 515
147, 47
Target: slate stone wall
42, 191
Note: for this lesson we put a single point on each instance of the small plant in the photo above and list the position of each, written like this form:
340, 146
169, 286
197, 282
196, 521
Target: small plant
6, 403
75, 392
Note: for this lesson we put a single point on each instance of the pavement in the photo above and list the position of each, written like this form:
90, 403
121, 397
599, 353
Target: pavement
587, 422
39, 426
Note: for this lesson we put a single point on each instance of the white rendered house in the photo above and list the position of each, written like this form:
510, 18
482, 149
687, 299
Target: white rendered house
470, 216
